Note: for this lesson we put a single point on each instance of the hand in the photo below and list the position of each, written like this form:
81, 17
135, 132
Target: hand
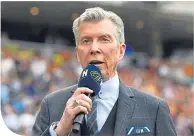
79, 102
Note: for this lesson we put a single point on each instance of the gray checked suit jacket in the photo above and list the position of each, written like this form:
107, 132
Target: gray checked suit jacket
134, 109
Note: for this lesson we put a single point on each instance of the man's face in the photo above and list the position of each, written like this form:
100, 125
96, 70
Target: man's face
97, 45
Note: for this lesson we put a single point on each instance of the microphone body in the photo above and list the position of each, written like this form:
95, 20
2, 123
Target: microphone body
78, 121
91, 77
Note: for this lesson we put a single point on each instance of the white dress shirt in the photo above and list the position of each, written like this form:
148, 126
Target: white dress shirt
106, 99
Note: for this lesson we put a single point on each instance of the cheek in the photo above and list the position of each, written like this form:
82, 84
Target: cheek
82, 56
111, 56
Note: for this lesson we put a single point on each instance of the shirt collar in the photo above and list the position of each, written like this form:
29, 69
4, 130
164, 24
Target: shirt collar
110, 88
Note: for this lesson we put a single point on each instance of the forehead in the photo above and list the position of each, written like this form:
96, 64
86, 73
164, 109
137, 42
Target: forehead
97, 28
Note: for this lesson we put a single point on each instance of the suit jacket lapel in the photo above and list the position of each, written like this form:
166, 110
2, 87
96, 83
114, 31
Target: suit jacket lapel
125, 108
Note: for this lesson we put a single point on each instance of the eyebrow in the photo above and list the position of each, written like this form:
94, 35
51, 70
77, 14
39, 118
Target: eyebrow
84, 37
106, 35
89, 37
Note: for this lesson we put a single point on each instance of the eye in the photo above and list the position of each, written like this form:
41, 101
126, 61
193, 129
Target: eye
105, 39
85, 41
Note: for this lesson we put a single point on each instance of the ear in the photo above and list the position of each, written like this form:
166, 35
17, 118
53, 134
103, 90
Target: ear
122, 51
77, 54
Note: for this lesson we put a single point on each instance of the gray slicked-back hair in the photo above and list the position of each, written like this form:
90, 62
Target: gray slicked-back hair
98, 13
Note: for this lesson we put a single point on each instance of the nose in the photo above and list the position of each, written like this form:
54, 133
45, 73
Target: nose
95, 49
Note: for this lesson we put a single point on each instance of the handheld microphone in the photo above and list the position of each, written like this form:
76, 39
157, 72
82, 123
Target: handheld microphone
91, 77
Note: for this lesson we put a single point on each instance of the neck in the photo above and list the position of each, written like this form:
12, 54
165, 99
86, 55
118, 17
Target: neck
106, 78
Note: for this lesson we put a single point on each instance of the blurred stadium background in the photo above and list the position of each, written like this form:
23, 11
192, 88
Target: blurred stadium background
37, 55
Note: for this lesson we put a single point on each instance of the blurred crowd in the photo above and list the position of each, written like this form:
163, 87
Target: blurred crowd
28, 75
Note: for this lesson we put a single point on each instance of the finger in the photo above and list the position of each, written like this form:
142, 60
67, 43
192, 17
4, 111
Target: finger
79, 109
84, 97
85, 104
82, 90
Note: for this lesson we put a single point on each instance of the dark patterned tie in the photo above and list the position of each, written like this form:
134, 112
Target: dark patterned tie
92, 119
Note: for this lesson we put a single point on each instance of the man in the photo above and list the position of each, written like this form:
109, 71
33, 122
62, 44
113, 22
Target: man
121, 110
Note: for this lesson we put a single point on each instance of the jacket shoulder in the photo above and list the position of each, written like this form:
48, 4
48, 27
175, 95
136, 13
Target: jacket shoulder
138, 94
148, 103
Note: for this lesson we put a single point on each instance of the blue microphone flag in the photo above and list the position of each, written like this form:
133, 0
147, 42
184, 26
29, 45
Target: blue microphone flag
91, 77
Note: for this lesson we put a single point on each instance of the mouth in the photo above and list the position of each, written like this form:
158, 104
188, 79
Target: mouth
96, 62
